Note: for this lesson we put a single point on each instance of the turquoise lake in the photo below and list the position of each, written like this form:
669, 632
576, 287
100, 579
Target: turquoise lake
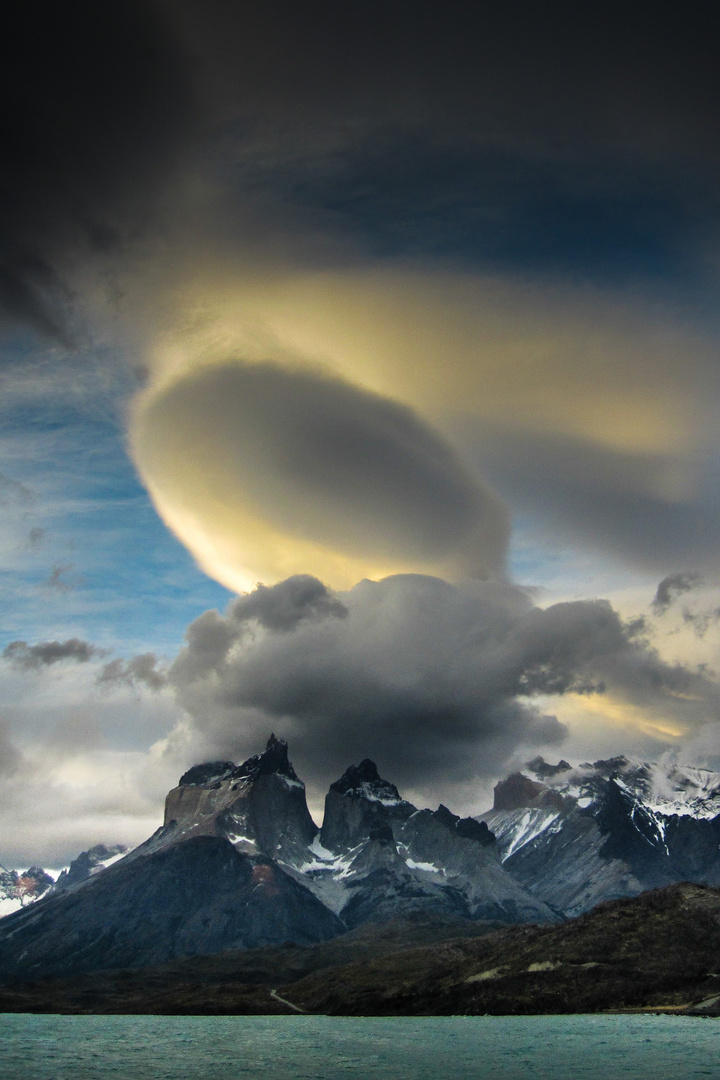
328, 1048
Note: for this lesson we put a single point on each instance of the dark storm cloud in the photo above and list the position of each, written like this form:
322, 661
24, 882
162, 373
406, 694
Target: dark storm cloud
542, 137
92, 101
545, 136
508, 209
671, 587
499, 67
277, 608
432, 680
144, 669
33, 657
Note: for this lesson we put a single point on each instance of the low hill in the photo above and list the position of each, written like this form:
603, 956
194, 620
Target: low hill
656, 950
660, 950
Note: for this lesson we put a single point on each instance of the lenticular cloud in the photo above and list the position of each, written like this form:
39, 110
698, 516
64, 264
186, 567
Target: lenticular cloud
261, 469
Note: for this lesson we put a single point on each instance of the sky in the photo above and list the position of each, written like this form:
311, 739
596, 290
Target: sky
359, 383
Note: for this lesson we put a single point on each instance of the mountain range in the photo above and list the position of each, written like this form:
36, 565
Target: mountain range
576, 836
240, 864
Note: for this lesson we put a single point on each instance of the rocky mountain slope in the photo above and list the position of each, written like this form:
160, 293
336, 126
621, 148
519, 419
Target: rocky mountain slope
199, 896
575, 836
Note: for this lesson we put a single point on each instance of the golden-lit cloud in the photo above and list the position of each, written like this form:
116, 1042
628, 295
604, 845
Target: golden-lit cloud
610, 711
578, 361
574, 394
265, 470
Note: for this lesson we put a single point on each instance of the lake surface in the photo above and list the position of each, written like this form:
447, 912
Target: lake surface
331, 1048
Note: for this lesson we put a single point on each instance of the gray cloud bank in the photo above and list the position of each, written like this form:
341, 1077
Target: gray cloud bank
445, 685
143, 669
652, 511
433, 680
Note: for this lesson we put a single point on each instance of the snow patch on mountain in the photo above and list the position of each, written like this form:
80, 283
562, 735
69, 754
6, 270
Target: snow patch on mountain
426, 867
529, 825
370, 792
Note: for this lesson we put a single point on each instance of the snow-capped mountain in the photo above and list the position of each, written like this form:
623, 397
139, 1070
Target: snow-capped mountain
19, 889
90, 862
239, 862
378, 856
574, 836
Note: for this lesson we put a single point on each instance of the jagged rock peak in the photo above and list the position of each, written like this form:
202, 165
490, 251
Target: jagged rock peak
90, 862
609, 766
364, 780
273, 759
467, 827
446, 817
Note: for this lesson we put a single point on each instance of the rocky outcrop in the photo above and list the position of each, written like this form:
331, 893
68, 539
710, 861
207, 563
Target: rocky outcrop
206, 774
259, 806
358, 802
467, 860
517, 790
380, 857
